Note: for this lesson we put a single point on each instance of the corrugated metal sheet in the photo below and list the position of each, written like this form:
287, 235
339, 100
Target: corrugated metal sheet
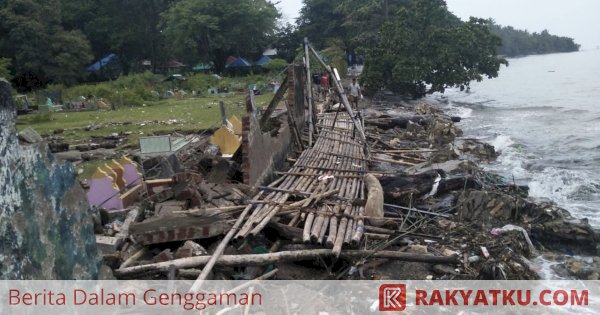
156, 144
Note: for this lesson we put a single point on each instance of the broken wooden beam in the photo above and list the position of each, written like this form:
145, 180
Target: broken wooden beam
273, 104
269, 258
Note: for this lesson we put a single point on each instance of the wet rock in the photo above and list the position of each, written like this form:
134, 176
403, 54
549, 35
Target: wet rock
442, 131
577, 269
46, 228
423, 108
30, 136
472, 148
488, 206
571, 235
444, 153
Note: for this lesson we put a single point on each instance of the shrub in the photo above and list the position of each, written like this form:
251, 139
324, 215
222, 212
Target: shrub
200, 83
126, 98
275, 65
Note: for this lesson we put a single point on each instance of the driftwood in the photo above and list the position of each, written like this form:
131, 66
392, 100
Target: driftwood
264, 259
403, 121
374, 206
404, 189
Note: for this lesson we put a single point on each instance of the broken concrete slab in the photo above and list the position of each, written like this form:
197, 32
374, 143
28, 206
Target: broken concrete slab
30, 136
173, 228
106, 244
190, 249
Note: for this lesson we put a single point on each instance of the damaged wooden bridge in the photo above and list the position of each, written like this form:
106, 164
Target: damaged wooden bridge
327, 204
329, 177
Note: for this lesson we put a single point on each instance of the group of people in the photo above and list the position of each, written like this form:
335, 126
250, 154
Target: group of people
322, 86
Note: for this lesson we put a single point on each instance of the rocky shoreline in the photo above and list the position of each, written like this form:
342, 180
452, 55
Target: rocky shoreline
498, 232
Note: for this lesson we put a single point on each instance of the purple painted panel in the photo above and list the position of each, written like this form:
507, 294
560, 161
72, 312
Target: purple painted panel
131, 175
104, 194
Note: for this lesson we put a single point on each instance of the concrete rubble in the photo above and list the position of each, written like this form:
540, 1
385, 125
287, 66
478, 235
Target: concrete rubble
410, 202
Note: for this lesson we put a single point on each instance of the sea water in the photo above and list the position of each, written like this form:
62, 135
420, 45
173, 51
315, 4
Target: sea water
543, 115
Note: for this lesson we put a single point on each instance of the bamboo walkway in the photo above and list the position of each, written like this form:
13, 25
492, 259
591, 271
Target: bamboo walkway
329, 176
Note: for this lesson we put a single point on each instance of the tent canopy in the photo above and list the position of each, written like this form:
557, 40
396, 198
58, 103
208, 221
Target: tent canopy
239, 63
263, 60
98, 65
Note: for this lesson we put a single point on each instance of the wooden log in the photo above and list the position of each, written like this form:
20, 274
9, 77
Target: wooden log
194, 273
286, 231
341, 232
374, 206
309, 89
403, 121
269, 258
333, 225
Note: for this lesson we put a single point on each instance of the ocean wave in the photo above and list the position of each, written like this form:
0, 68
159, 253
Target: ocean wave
575, 111
502, 142
513, 159
472, 105
531, 108
562, 185
460, 111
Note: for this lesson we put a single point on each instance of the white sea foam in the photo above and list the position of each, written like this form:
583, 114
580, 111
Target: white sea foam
502, 142
460, 111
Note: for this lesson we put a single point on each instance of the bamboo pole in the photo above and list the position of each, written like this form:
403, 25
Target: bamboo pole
341, 91
215, 256
309, 89
269, 258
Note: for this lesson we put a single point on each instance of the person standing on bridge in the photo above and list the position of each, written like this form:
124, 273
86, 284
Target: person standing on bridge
355, 93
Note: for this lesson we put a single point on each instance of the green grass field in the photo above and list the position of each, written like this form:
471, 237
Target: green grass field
196, 114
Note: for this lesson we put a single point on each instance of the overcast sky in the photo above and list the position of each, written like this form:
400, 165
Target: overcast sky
579, 19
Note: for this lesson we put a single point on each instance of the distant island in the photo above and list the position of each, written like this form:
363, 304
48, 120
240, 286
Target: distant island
517, 42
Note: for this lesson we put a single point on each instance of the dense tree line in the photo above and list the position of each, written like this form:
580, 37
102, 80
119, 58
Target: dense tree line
520, 43
52, 41
410, 46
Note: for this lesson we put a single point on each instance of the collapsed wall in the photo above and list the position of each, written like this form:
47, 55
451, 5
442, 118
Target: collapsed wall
45, 225
265, 152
